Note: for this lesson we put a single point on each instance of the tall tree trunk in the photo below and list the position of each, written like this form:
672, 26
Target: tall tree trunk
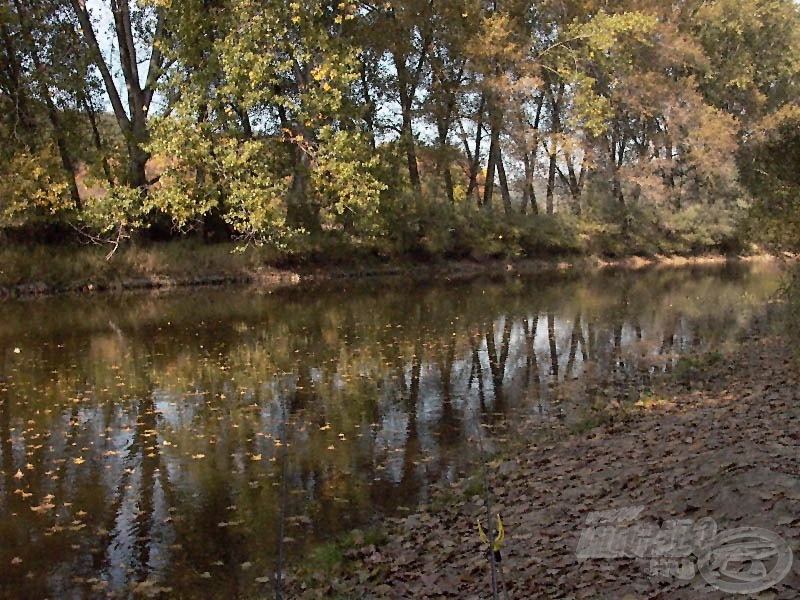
91, 114
406, 90
370, 116
504, 191
444, 122
555, 107
551, 181
488, 186
528, 192
476, 157
19, 98
573, 184
443, 128
494, 156
134, 125
409, 145
300, 213
529, 161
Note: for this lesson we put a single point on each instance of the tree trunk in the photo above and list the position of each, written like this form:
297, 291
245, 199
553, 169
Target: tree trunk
443, 166
504, 191
528, 192
488, 186
19, 99
370, 116
300, 213
407, 140
134, 125
406, 90
476, 157
551, 181
574, 187
529, 160
91, 113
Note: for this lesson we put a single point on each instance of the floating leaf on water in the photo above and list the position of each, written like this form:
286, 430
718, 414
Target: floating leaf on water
18, 474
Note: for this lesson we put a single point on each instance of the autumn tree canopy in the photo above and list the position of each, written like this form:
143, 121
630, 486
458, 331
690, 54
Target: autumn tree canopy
440, 126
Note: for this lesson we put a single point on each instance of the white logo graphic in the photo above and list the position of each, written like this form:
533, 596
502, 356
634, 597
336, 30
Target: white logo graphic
744, 560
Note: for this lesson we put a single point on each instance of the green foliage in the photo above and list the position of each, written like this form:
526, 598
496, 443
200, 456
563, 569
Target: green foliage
753, 51
701, 228
772, 174
32, 189
120, 210
314, 125
344, 178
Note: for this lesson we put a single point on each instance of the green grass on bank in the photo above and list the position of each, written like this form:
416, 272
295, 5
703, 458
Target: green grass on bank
71, 265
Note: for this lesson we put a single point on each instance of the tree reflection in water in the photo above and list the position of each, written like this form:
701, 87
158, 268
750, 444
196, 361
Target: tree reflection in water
144, 439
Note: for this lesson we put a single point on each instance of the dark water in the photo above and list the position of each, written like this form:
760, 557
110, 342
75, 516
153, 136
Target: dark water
144, 439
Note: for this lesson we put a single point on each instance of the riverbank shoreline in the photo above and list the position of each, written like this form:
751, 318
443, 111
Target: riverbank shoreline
722, 444
153, 270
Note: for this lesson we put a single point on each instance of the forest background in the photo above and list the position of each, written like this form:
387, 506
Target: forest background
326, 131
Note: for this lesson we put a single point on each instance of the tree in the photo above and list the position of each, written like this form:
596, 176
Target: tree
771, 170
40, 88
262, 124
143, 27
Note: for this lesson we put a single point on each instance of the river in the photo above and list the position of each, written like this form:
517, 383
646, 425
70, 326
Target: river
155, 442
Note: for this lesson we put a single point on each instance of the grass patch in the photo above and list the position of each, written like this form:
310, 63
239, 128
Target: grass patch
71, 266
329, 558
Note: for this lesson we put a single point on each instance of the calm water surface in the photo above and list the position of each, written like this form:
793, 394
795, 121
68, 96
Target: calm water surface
144, 439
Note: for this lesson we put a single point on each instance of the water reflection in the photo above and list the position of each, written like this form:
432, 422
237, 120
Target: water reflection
145, 441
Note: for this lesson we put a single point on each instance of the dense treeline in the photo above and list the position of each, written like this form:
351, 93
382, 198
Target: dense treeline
423, 126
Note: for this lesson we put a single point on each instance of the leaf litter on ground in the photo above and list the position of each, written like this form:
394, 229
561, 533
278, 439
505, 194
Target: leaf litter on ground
727, 447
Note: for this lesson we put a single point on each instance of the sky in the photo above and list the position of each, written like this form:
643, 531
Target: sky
103, 19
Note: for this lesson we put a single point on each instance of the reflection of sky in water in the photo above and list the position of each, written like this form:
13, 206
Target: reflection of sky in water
390, 443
